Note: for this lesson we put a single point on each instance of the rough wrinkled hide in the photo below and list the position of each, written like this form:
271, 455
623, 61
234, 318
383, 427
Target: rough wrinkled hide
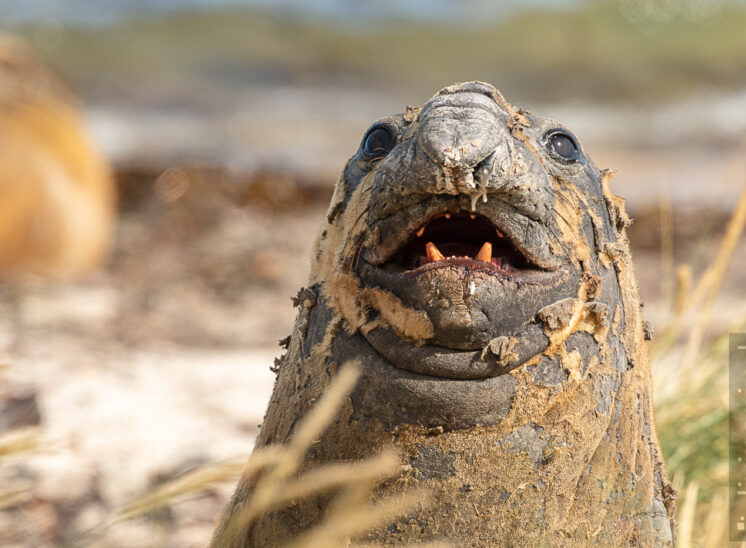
517, 388
57, 195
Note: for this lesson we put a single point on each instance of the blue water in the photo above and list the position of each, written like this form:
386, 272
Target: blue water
97, 12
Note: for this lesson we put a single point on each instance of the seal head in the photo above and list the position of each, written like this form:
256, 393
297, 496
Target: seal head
456, 236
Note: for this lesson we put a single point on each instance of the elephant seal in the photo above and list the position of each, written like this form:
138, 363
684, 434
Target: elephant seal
57, 204
474, 261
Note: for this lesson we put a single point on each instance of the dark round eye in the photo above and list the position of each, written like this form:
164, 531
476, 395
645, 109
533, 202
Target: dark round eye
562, 146
378, 142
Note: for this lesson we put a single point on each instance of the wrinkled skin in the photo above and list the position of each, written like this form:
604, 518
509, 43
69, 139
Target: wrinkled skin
517, 389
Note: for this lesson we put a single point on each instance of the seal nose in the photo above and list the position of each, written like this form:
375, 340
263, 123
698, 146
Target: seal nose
458, 132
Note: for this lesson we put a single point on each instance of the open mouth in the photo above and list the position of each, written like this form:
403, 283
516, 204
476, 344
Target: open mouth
476, 276
463, 239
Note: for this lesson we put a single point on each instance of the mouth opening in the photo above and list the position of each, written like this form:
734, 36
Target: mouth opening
466, 239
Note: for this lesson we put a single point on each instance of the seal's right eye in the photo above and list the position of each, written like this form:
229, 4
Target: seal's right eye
378, 142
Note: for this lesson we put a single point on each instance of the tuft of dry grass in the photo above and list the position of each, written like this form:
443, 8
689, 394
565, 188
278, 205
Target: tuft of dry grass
14, 445
701, 298
189, 484
278, 481
692, 403
19, 442
350, 514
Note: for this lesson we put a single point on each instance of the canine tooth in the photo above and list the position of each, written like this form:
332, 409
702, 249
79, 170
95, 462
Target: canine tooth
485, 254
433, 253
500, 234
420, 232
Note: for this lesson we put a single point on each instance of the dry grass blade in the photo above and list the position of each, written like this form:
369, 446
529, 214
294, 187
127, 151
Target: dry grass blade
712, 279
310, 429
683, 285
352, 521
717, 521
706, 289
713, 276
261, 458
190, 483
686, 516
668, 263
271, 485
21, 440
332, 476
323, 412
15, 496
692, 415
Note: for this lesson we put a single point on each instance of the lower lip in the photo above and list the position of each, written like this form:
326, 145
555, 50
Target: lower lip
467, 264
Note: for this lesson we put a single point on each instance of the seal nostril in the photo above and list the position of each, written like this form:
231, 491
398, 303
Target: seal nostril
484, 169
482, 174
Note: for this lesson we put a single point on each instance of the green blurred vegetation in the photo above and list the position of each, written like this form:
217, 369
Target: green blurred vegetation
592, 51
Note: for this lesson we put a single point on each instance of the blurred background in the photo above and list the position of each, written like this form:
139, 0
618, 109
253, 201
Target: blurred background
164, 166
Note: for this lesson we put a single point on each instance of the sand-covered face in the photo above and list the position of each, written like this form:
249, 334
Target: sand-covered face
462, 227
467, 242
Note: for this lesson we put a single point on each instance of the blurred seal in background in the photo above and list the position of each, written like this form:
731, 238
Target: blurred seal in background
56, 190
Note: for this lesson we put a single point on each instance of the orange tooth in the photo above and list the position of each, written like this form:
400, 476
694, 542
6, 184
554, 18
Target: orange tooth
500, 234
433, 253
485, 254
472, 216
448, 215
420, 232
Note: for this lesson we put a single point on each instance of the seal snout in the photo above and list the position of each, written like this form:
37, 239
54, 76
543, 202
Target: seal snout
459, 131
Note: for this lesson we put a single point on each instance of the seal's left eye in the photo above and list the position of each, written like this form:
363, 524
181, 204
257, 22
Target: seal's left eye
563, 146
378, 142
